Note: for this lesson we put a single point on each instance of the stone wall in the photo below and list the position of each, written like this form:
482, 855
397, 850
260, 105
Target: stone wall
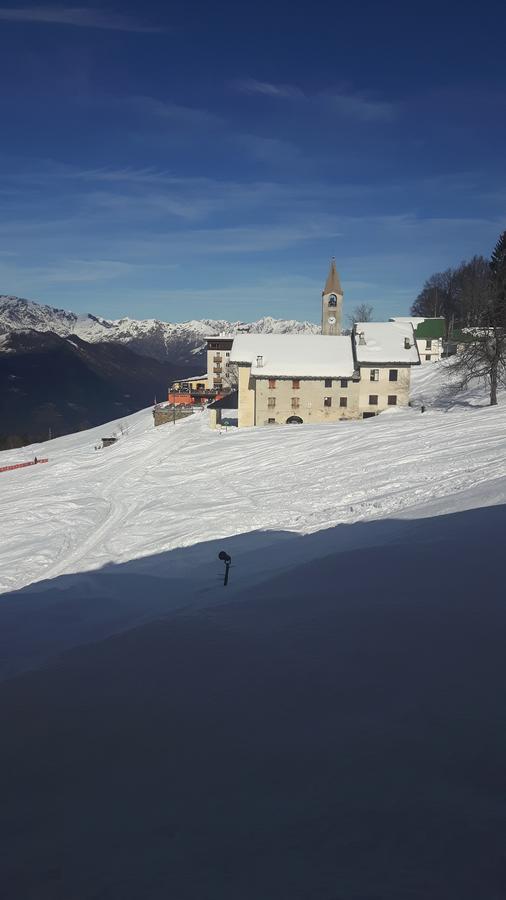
163, 414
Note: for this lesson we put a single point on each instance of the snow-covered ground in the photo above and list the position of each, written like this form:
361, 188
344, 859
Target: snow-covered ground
330, 724
157, 492
158, 489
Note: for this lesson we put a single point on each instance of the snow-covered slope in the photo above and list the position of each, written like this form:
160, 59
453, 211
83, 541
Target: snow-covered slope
111, 538
169, 487
151, 337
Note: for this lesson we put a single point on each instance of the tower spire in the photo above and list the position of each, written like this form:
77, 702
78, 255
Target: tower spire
332, 284
332, 302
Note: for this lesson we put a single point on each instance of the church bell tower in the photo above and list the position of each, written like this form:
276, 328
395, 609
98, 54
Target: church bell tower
332, 302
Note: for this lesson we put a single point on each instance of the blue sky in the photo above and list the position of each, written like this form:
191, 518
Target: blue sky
197, 160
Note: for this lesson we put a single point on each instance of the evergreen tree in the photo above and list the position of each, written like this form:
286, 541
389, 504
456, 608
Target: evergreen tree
498, 282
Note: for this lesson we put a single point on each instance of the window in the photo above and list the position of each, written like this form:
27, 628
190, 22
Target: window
374, 375
392, 375
295, 384
217, 357
428, 345
295, 402
227, 353
333, 302
343, 401
271, 402
373, 399
271, 421
327, 401
272, 383
392, 400
344, 382
328, 382
428, 357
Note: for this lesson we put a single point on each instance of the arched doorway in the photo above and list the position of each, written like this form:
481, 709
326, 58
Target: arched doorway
294, 420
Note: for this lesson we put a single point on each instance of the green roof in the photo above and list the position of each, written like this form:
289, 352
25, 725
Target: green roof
430, 328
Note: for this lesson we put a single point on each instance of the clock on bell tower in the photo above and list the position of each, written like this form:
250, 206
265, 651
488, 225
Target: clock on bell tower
332, 302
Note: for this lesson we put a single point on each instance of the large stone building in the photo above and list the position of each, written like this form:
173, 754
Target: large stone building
294, 378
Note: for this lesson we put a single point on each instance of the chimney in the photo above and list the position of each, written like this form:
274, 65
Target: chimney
361, 338
260, 362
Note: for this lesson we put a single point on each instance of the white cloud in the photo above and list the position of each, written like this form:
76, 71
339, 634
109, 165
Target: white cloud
66, 271
349, 104
82, 17
283, 91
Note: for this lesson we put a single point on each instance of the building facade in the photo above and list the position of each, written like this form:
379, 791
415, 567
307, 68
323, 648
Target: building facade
218, 361
301, 378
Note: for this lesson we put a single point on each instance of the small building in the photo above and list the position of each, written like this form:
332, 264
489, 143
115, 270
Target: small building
199, 383
190, 391
429, 334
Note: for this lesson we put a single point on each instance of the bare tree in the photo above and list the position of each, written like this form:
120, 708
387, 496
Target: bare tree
438, 296
483, 358
461, 295
362, 313
483, 354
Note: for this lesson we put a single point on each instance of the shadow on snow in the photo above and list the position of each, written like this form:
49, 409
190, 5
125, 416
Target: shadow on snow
328, 727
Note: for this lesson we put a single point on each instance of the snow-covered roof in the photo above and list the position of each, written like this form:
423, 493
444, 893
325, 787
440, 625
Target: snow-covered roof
294, 355
196, 378
386, 342
415, 320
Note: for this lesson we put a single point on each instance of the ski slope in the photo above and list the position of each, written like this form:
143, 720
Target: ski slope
172, 487
341, 700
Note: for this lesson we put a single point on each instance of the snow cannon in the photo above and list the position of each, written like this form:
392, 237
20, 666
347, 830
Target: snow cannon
227, 560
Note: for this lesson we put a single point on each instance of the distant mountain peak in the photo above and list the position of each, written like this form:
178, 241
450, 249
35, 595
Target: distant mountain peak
166, 341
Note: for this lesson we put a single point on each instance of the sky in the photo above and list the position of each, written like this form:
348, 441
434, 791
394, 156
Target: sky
196, 160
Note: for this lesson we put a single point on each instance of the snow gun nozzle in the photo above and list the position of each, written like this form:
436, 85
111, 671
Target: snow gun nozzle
227, 560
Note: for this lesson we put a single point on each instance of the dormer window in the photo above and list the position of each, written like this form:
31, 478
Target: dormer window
407, 344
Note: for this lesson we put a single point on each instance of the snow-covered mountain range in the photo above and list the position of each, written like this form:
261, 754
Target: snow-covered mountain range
176, 342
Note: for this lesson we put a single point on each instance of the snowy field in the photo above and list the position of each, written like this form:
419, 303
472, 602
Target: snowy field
156, 508
171, 487
85, 534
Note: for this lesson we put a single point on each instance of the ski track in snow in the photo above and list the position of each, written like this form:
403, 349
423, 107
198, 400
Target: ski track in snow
158, 489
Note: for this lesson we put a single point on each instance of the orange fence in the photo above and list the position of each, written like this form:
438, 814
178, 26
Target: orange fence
34, 462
